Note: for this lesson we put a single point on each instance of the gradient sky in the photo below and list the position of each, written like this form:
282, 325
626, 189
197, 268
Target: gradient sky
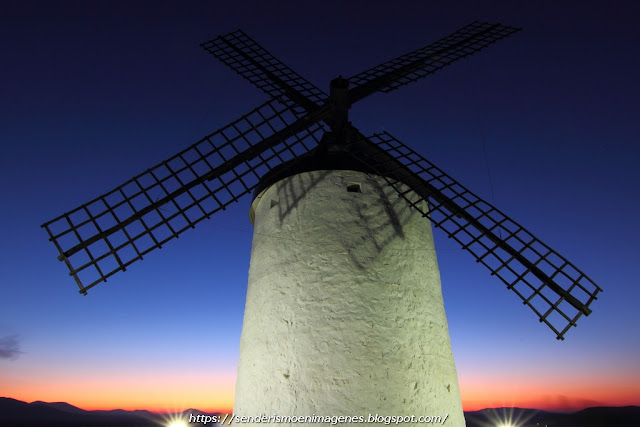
545, 124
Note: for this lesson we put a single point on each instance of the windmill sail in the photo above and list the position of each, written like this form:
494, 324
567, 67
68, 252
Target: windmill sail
422, 62
246, 57
556, 290
107, 234
253, 62
551, 286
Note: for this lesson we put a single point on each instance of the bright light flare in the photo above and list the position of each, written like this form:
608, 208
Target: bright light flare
174, 420
505, 417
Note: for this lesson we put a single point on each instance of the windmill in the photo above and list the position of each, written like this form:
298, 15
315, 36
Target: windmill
344, 312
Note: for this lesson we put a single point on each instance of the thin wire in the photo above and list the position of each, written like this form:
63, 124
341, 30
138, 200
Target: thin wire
483, 137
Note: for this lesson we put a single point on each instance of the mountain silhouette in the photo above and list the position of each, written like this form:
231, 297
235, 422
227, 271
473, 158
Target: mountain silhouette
591, 417
16, 413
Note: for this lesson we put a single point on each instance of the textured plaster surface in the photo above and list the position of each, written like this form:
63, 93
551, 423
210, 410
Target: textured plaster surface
344, 312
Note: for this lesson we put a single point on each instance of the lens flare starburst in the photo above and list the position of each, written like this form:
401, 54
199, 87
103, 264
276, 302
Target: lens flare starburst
505, 417
175, 419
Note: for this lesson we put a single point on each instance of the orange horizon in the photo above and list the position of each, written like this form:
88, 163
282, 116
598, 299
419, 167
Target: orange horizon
156, 409
215, 392
468, 405
472, 407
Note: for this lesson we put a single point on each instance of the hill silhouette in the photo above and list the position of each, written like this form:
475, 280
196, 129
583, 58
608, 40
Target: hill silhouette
590, 417
16, 413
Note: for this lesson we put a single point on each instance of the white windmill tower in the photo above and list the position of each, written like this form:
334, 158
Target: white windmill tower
344, 312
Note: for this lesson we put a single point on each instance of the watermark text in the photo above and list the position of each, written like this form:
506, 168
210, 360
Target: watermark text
317, 419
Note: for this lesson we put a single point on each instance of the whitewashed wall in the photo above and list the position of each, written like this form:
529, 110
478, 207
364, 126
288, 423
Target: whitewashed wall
344, 312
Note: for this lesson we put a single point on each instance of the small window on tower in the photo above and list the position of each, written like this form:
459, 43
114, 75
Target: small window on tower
354, 188
274, 203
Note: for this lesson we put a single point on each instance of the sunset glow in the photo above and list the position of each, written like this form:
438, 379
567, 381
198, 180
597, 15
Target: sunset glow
174, 394
548, 394
170, 393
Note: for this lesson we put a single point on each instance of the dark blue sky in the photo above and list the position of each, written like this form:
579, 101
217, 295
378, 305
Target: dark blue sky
93, 93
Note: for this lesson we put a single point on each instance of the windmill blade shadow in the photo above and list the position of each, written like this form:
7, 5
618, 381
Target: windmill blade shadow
383, 217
